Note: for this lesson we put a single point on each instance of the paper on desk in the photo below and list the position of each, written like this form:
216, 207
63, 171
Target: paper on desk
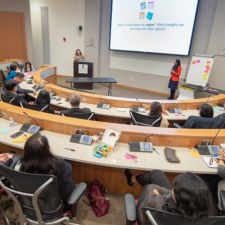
22, 138
123, 110
210, 161
195, 153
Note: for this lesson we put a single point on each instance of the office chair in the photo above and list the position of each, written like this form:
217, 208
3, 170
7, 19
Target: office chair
85, 116
144, 120
159, 217
40, 108
36, 197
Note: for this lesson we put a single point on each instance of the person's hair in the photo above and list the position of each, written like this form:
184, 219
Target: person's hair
10, 85
76, 53
13, 66
156, 109
206, 110
177, 64
75, 100
25, 66
20, 75
37, 157
193, 197
43, 98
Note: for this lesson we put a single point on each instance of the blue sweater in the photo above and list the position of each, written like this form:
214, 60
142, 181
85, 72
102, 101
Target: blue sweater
11, 75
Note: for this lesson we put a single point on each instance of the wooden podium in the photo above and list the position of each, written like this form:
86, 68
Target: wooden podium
83, 69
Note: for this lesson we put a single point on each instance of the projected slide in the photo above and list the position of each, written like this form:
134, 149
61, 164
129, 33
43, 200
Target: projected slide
157, 26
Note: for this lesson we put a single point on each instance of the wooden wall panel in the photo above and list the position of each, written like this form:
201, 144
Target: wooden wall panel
12, 36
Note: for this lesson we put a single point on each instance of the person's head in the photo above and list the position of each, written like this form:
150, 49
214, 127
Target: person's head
14, 66
37, 157
206, 111
177, 62
19, 78
192, 197
10, 85
28, 66
43, 98
78, 52
75, 100
156, 109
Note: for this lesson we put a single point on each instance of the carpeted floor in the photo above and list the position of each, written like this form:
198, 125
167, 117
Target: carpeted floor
85, 215
116, 91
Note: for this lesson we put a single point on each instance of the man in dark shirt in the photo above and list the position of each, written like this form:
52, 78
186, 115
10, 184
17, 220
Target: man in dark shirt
10, 94
205, 120
75, 107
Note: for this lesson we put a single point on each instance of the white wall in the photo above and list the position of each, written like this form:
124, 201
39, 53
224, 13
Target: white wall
64, 19
20, 6
217, 46
123, 63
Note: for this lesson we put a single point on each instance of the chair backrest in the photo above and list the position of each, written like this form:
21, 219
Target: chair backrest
38, 195
86, 116
40, 108
144, 120
158, 217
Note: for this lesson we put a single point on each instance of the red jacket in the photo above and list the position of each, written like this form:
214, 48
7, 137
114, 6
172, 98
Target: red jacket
176, 74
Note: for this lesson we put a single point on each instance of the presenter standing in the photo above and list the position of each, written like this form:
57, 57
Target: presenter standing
78, 56
174, 79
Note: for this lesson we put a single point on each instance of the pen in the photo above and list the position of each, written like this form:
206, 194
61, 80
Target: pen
156, 151
70, 149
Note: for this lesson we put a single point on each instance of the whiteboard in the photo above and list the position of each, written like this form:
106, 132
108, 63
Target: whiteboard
199, 70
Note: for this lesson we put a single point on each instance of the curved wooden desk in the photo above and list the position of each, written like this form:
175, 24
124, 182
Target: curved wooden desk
48, 73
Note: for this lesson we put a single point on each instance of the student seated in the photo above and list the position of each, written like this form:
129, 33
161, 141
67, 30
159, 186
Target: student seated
43, 100
75, 106
19, 78
28, 67
13, 68
156, 110
38, 159
205, 119
10, 95
189, 196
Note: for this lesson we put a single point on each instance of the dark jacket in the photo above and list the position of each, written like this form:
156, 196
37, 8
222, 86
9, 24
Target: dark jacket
76, 111
205, 123
13, 98
163, 201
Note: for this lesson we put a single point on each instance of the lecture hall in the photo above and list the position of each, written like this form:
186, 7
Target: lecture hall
112, 112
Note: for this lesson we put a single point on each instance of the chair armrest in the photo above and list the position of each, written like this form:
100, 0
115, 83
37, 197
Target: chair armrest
176, 125
130, 208
77, 193
222, 198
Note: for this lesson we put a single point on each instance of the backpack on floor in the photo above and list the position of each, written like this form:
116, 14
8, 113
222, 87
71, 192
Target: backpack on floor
96, 194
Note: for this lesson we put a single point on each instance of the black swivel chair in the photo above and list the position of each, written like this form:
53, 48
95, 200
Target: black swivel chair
159, 217
36, 197
144, 120
85, 116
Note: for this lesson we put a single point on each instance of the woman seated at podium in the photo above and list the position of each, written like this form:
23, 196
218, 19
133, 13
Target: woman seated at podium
78, 56
156, 111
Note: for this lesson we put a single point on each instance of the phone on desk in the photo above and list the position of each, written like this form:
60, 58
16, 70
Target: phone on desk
29, 128
17, 134
81, 139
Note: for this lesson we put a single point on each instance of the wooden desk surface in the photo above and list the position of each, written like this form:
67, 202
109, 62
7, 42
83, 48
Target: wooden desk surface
119, 101
116, 112
84, 154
